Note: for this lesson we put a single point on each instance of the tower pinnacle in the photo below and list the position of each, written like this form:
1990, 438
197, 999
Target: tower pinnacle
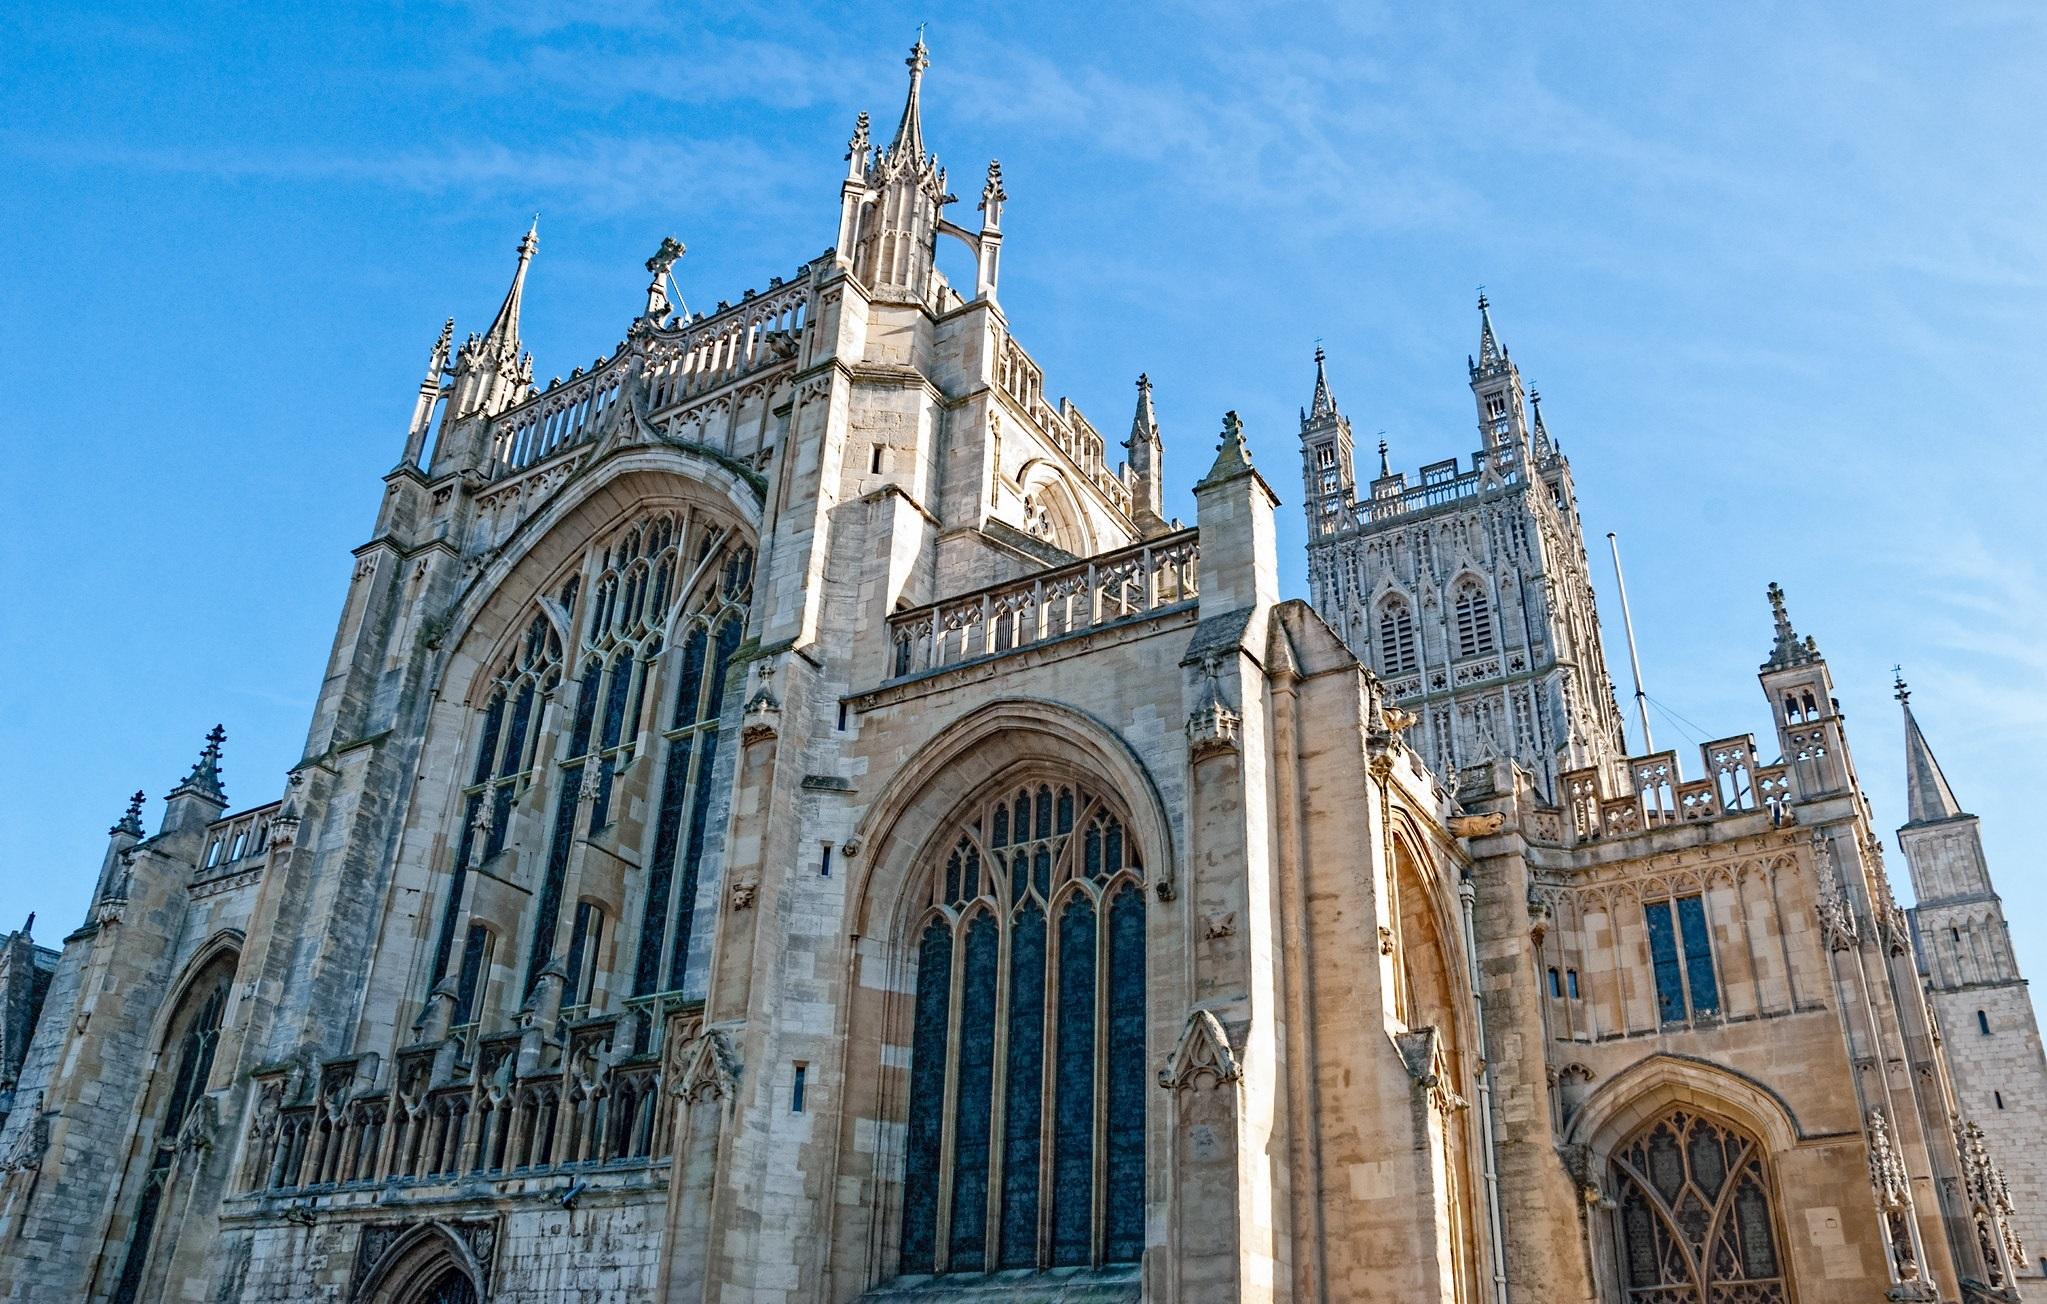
503, 335
1323, 404
1787, 650
204, 780
910, 131
1491, 356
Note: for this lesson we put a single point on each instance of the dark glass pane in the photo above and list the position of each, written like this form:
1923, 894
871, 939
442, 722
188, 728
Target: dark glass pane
547, 910
926, 1124
973, 1106
973, 875
952, 878
1041, 870
1091, 851
1114, 854
721, 660
1638, 1229
579, 946
486, 747
515, 737
689, 679
1666, 1165
1752, 1220
616, 689
473, 948
586, 708
1123, 1211
1044, 811
1709, 1161
1691, 917
661, 870
1073, 1107
1670, 996
1025, 1094
692, 860
1066, 810
1000, 836
445, 943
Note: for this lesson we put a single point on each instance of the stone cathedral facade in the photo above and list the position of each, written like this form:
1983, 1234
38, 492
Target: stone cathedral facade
787, 819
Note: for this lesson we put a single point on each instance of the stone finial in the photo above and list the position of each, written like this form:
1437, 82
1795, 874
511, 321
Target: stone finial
204, 780
1385, 461
130, 822
858, 145
993, 195
1232, 455
1787, 650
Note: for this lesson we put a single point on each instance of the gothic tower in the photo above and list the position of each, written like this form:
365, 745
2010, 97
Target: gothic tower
1467, 590
1972, 977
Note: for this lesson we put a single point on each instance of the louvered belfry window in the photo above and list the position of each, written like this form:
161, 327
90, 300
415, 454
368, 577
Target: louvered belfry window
1396, 638
1474, 620
1030, 1004
1696, 1215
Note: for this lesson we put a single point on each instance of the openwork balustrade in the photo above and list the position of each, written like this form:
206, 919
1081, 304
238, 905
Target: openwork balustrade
1136, 581
675, 365
592, 1108
1658, 795
1441, 485
1024, 382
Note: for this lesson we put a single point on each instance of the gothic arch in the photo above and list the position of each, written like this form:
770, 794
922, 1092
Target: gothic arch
1065, 523
429, 1264
971, 753
1639, 1093
224, 942
913, 920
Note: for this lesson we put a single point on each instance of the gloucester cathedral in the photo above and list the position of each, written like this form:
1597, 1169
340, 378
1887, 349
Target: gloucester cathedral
787, 818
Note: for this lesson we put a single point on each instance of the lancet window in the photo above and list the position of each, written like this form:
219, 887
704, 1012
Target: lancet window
1696, 1215
1025, 1138
655, 612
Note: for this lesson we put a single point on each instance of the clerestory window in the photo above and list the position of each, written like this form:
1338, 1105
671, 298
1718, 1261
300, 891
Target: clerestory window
1681, 953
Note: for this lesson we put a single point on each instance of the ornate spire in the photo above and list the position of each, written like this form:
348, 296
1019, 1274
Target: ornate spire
130, 823
993, 197
1385, 463
1323, 404
1541, 438
1144, 425
204, 780
1232, 455
1787, 650
910, 131
503, 335
1491, 356
1927, 795
857, 148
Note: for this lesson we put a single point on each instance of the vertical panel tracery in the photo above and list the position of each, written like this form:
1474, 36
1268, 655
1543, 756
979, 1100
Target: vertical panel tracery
1696, 1216
1026, 1112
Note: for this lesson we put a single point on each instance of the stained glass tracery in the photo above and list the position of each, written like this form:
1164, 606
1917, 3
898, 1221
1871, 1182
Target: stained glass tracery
1696, 1215
1025, 1144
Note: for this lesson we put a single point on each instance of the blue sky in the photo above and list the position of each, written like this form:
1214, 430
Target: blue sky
1777, 271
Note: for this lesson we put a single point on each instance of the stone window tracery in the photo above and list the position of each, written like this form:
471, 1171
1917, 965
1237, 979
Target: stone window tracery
1696, 1215
1025, 1137
667, 574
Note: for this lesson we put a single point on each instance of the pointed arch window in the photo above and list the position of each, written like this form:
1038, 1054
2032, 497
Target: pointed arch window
1474, 617
664, 576
1397, 653
186, 1062
1025, 1137
1696, 1215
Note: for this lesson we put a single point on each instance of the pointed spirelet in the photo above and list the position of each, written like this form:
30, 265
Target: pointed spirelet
1144, 424
1232, 454
503, 335
1787, 650
909, 141
1385, 460
1490, 355
1323, 404
204, 780
1928, 797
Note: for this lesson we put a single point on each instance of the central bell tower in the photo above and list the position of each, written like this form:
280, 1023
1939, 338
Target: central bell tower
1466, 589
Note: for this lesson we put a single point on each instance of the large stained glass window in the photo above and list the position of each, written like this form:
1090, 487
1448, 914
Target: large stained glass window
1696, 1215
1030, 1005
655, 612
